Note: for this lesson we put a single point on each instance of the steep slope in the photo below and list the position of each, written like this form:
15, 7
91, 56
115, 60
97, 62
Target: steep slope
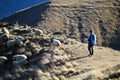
67, 63
69, 21
75, 19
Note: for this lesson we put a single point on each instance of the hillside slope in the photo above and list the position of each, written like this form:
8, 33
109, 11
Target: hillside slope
71, 62
75, 19
69, 21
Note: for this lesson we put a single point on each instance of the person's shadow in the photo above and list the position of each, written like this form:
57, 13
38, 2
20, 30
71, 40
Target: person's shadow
78, 58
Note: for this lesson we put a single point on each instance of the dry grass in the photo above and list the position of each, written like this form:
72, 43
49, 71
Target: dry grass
73, 18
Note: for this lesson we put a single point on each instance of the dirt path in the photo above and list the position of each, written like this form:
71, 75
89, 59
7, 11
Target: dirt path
103, 58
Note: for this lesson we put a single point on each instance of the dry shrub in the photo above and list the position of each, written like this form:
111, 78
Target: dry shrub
66, 57
74, 63
68, 65
35, 48
47, 75
55, 77
57, 58
21, 50
28, 53
71, 71
57, 71
62, 77
41, 75
64, 70
44, 74
57, 51
43, 78
95, 75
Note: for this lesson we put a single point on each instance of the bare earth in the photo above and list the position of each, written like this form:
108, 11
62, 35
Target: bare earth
103, 58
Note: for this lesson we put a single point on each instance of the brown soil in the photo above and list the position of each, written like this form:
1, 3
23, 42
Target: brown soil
73, 19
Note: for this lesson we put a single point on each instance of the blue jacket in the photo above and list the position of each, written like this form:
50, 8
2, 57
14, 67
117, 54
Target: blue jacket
92, 38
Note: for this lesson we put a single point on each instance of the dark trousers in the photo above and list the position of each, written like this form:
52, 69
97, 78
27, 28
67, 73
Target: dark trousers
90, 48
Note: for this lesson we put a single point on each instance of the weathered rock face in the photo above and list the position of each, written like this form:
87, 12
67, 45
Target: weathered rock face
75, 18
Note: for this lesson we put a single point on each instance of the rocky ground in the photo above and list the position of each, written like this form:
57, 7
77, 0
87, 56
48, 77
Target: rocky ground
68, 21
68, 62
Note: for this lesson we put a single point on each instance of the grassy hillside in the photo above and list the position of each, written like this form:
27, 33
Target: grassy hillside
70, 22
75, 19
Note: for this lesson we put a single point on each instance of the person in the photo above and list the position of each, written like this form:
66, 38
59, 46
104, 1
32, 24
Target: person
91, 42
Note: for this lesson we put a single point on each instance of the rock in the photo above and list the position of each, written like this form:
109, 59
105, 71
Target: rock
45, 61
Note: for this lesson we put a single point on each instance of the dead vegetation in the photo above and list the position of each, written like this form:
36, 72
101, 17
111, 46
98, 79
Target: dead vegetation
70, 23
47, 62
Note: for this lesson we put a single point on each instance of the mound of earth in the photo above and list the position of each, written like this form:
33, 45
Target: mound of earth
68, 21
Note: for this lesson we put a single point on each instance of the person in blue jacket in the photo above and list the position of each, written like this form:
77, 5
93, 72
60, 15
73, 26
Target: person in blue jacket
91, 42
